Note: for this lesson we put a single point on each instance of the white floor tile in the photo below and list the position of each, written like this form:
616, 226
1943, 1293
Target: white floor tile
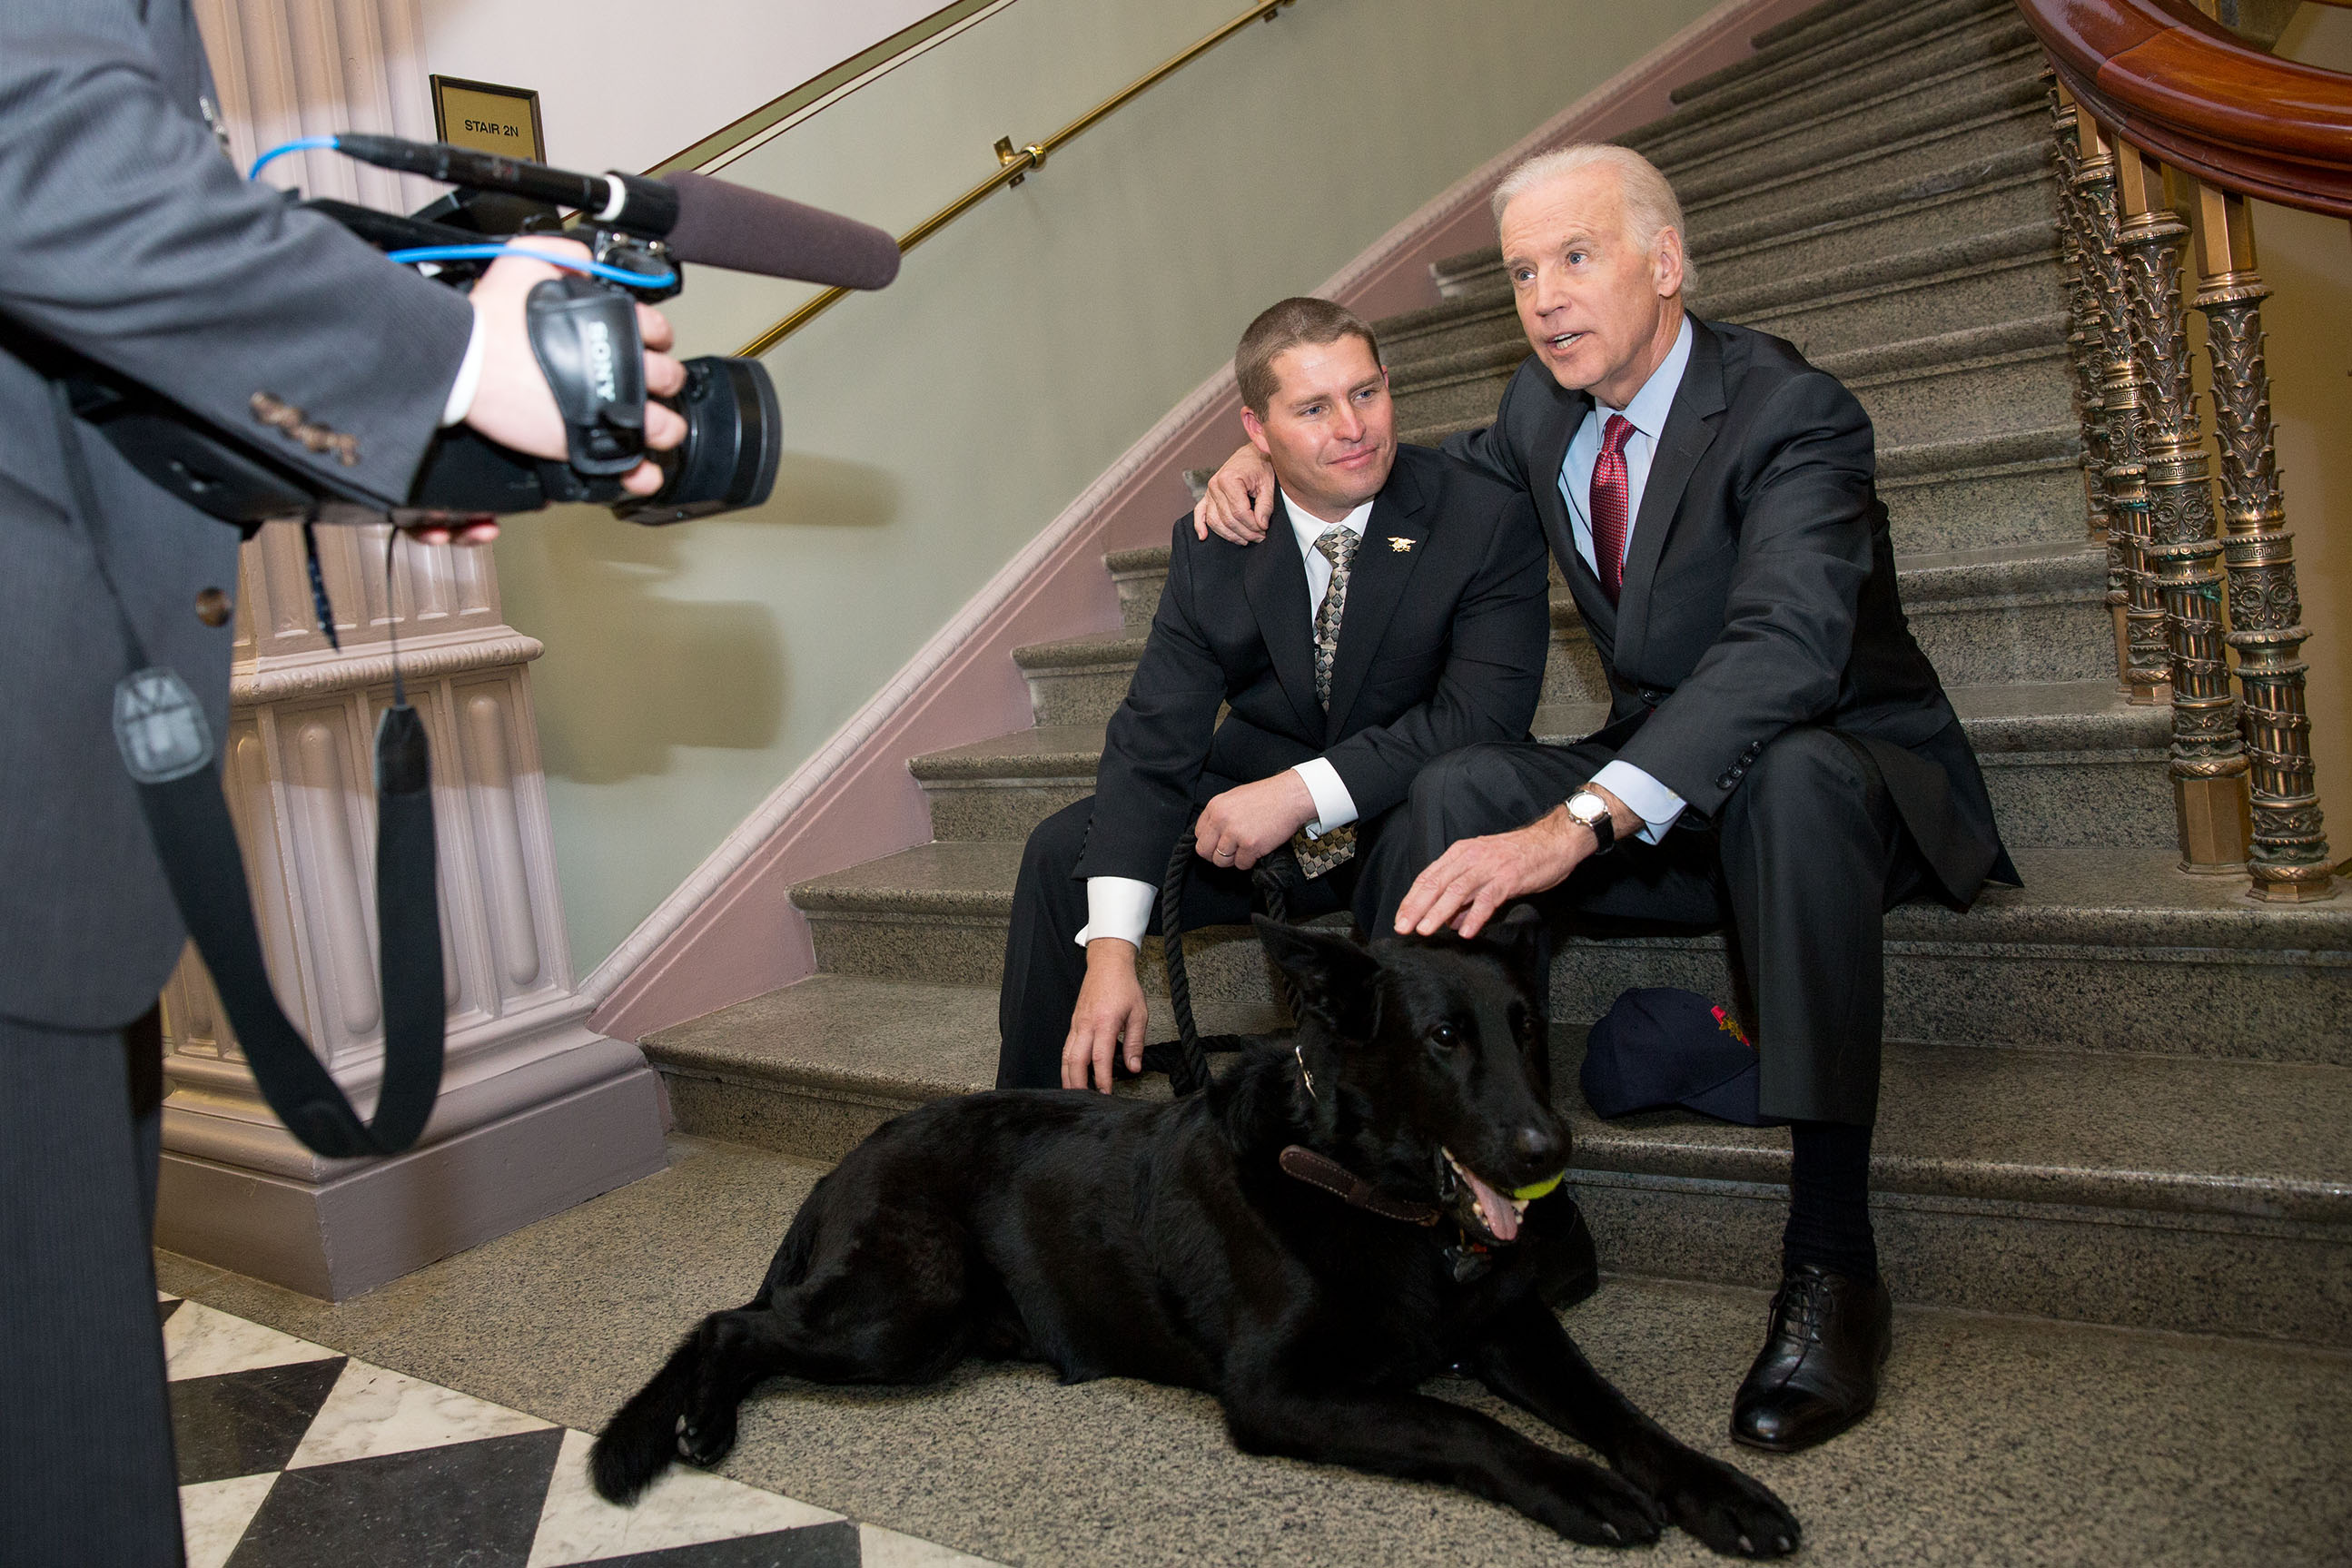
199, 1343
880, 1548
373, 1411
684, 1507
214, 1516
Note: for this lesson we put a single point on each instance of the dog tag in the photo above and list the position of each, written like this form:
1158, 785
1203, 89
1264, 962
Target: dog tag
1468, 1260
159, 727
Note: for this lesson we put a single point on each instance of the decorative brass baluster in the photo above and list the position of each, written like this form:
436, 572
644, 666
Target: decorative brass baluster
2289, 860
2085, 349
2147, 664
2209, 755
2082, 341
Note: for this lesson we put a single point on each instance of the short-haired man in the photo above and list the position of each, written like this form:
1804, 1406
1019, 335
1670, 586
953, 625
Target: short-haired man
1402, 614
1709, 497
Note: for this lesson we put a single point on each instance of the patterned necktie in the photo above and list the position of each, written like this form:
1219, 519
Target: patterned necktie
1611, 492
1337, 546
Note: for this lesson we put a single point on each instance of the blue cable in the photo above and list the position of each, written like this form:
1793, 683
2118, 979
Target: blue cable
491, 252
307, 144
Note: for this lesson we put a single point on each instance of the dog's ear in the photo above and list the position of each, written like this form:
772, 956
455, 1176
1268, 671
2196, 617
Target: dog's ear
1525, 942
1333, 971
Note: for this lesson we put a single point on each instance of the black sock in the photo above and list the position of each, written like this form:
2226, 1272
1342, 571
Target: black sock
1829, 1200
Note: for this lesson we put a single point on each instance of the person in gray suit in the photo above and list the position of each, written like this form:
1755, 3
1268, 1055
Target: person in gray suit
1781, 757
129, 238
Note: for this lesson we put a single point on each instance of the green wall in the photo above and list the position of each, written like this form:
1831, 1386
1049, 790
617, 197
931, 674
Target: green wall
933, 429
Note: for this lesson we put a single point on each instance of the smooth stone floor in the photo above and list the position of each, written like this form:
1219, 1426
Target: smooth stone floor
1998, 1441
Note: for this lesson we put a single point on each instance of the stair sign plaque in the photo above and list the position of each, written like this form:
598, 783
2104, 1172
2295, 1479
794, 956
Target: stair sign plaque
488, 118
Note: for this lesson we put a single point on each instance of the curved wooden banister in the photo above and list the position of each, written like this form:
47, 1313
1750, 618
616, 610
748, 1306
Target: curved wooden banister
2181, 87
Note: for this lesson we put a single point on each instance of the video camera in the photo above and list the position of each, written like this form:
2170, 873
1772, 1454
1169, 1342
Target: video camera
583, 329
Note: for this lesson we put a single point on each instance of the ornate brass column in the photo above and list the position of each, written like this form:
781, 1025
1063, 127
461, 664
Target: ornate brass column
2085, 349
2144, 665
2289, 860
2209, 757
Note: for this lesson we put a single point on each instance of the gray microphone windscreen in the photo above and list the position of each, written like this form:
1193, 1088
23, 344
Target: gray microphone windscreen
729, 226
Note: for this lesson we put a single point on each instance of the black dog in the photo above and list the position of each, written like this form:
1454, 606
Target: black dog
1206, 1243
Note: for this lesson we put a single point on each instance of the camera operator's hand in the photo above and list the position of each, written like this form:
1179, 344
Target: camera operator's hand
511, 404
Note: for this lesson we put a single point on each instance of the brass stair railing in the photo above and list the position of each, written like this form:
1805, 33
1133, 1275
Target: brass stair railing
1014, 165
2166, 124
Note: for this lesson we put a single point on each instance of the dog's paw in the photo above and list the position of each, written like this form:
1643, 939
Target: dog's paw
704, 1445
1600, 1508
1730, 1510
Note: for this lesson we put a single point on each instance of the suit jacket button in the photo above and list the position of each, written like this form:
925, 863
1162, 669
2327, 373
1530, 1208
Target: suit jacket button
213, 607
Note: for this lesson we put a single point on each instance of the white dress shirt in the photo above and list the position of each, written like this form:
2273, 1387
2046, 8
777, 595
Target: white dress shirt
1121, 906
1657, 805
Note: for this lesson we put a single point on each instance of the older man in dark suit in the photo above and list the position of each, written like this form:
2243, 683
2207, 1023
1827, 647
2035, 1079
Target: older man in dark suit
1779, 757
130, 242
1401, 614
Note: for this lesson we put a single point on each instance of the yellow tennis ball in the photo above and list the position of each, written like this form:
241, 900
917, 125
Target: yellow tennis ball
1529, 1194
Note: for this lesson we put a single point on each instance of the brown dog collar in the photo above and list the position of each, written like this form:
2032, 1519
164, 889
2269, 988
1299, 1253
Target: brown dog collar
1323, 1171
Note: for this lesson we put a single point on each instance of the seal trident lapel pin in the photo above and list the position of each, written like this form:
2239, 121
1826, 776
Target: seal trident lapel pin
1399, 545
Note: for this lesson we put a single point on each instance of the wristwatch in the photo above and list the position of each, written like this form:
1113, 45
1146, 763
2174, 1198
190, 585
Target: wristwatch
1591, 810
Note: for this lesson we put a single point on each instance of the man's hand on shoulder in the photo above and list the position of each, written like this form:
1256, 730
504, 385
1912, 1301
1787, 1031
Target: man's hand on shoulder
1239, 504
1250, 821
1464, 887
1111, 1011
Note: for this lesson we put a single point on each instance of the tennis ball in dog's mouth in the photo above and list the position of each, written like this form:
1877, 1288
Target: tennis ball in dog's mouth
1530, 1193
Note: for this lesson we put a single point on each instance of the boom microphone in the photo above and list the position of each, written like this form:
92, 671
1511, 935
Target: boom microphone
743, 230
703, 219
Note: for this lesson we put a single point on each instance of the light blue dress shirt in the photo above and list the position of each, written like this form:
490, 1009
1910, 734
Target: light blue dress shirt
1657, 805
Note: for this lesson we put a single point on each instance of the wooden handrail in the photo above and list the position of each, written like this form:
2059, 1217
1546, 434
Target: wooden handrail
2181, 87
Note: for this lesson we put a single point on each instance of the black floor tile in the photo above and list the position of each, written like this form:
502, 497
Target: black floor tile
468, 1505
242, 1423
811, 1546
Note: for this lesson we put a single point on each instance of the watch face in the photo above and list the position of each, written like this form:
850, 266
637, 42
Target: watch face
1587, 808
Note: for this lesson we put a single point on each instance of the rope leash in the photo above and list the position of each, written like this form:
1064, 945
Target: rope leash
1186, 1061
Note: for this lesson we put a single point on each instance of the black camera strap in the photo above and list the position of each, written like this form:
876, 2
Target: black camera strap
169, 750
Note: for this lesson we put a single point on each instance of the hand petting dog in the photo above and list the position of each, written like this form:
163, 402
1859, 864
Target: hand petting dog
1462, 889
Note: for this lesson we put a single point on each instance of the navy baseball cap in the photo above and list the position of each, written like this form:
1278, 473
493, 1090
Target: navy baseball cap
1660, 1046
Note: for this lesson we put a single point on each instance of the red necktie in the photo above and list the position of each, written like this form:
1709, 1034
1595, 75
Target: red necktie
1610, 492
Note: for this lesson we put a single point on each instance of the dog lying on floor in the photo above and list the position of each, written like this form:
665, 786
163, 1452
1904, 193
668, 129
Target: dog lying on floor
1311, 1237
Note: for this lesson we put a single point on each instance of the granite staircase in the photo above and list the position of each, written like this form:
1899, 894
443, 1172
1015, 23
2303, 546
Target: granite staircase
2120, 1094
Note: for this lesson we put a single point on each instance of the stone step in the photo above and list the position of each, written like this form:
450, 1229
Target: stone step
2025, 613
2102, 949
1970, 52
1798, 41
2157, 1191
1792, 181
1899, 217
2032, 611
2067, 763
1981, 281
1971, 380
2025, 487
1844, 149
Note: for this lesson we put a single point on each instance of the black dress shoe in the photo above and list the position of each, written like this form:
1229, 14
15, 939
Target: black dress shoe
1818, 1372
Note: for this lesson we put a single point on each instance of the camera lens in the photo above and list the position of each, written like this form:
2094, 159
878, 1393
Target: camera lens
734, 435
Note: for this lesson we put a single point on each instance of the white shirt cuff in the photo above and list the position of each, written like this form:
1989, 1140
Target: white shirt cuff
1116, 906
469, 377
1334, 807
1651, 801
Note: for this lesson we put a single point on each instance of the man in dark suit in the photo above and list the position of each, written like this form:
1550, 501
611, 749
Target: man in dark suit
1779, 757
1402, 613
131, 240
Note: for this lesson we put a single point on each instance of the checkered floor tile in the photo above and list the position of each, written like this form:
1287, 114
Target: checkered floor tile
293, 1456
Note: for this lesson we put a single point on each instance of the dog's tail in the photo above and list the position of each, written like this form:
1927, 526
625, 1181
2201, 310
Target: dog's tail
641, 1438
